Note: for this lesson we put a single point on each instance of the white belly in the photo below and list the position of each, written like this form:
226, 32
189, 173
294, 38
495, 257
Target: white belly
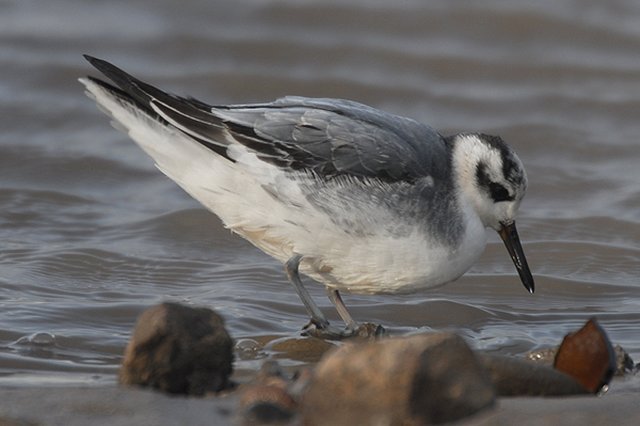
376, 263
384, 265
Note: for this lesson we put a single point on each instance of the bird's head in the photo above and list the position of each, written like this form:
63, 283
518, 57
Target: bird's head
491, 177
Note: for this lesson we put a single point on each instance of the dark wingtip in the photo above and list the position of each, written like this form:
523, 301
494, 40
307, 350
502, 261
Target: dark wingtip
135, 88
124, 85
93, 60
106, 68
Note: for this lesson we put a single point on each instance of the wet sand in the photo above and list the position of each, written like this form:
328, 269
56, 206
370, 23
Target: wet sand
115, 406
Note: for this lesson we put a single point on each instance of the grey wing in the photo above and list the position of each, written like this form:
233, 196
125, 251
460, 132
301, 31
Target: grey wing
327, 136
330, 137
337, 137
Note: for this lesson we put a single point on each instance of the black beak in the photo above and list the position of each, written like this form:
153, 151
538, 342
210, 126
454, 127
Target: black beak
510, 237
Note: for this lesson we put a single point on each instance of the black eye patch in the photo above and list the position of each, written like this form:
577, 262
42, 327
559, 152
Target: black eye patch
497, 192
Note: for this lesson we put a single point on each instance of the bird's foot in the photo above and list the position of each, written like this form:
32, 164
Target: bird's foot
326, 331
369, 330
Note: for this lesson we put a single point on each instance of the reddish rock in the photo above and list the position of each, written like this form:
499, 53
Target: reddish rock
179, 349
588, 356
421, 379
624, 363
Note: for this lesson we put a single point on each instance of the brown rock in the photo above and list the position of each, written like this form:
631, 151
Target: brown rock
271, 398
266, 404
179, 349
587, 356
305, 349
517, 377
422, 379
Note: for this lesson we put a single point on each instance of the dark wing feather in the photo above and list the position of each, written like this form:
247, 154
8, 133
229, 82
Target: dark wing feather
336, 137
330, 137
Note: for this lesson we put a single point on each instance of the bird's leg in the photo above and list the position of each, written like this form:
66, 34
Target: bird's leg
367, 329
317, 317
319, 325
336, 299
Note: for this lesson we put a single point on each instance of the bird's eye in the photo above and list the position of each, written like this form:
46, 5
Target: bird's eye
499, 192
496, 191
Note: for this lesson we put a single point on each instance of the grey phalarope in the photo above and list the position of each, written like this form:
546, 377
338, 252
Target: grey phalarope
358, 199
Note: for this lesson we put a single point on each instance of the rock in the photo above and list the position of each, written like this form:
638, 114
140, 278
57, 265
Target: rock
421, 379
266, 404
543, 356
624, 362
179, 349
517, 377
587, 356
305, 349
272, 397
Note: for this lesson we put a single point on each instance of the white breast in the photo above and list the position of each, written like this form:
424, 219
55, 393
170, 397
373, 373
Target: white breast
380, 264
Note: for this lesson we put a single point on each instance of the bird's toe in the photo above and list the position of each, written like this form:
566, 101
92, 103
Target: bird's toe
328, 332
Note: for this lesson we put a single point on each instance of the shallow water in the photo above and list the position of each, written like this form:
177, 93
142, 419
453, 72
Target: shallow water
92, 233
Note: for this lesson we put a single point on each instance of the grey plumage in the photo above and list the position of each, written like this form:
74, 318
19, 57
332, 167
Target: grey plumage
332, 139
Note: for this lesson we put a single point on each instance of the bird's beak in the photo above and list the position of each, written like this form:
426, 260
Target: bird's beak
510, 237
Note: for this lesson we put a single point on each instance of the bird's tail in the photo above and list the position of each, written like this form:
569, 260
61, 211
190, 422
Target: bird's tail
177, 154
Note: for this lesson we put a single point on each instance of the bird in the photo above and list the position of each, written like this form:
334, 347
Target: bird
360, 200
